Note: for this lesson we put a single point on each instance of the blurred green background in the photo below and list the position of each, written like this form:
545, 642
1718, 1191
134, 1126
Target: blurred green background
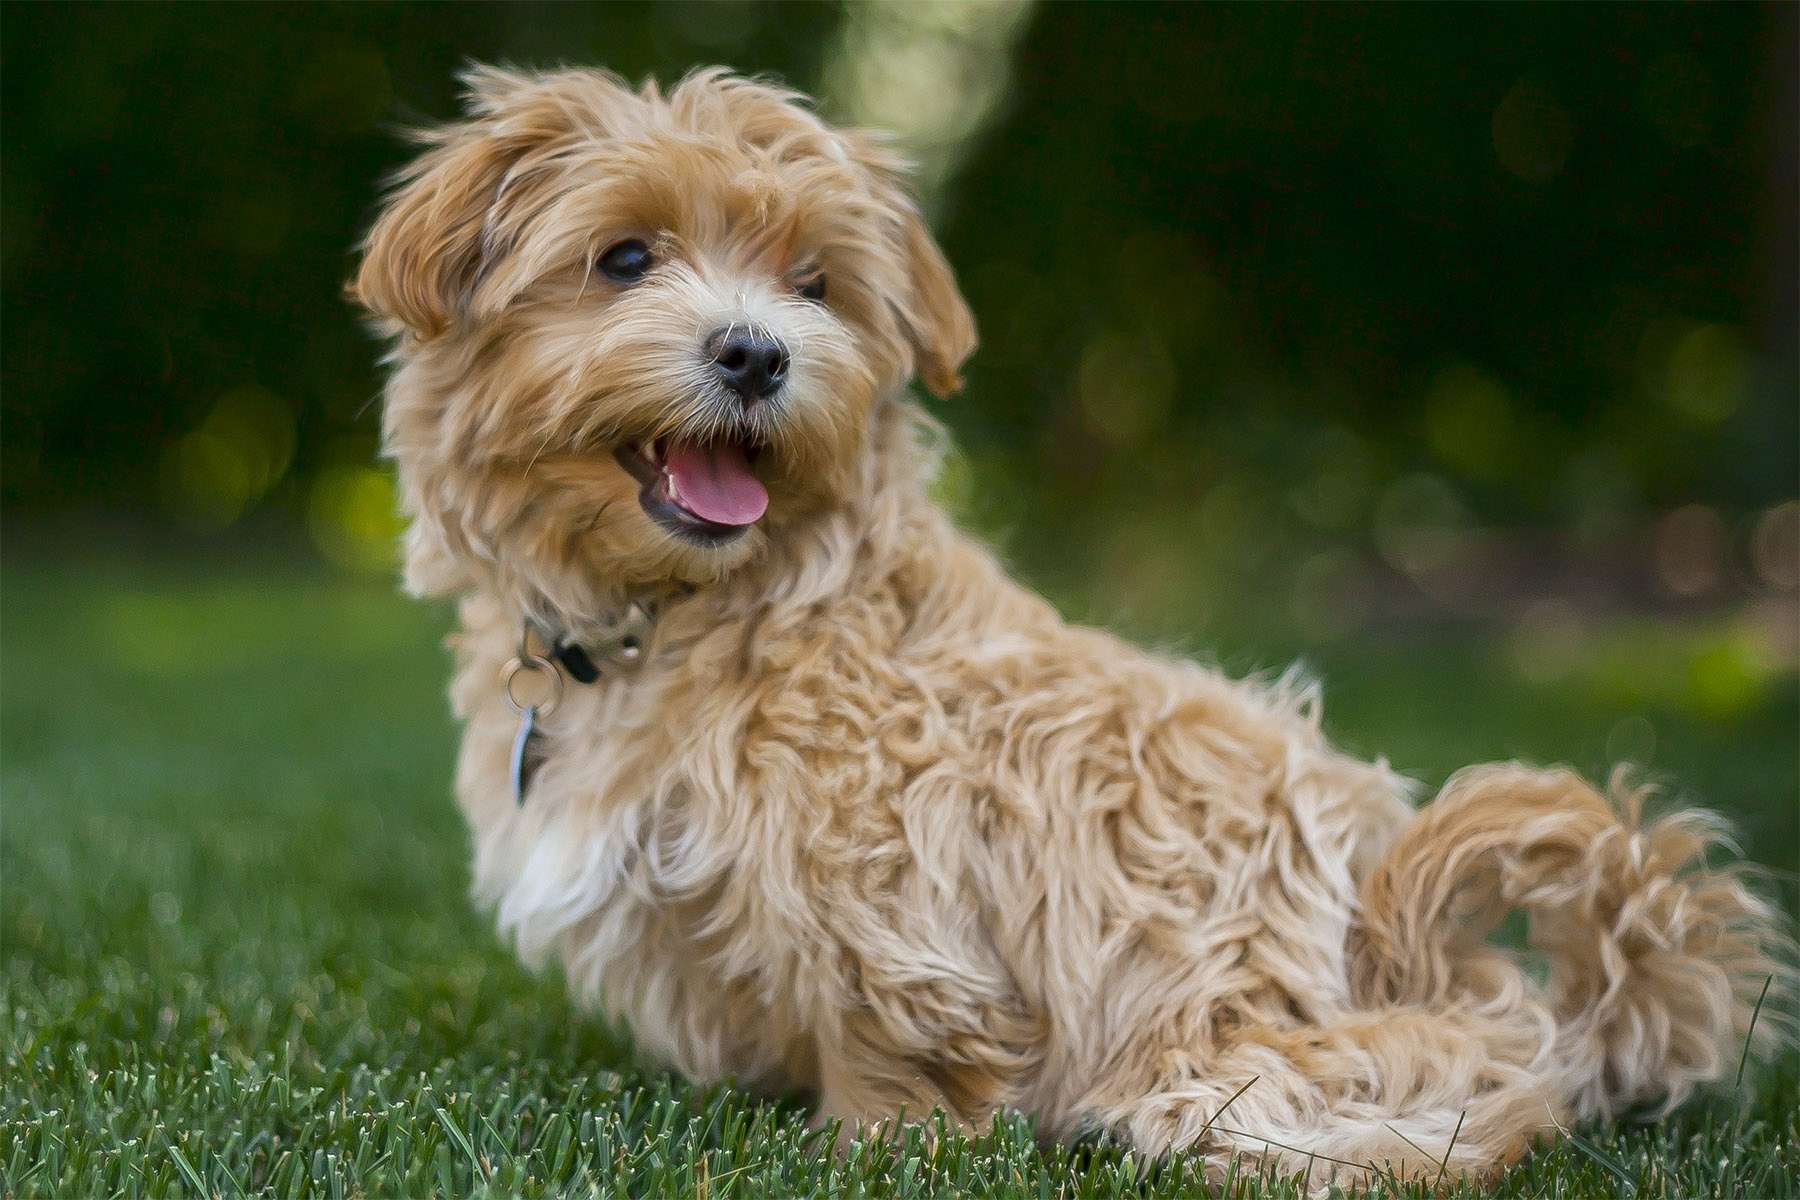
1302, 327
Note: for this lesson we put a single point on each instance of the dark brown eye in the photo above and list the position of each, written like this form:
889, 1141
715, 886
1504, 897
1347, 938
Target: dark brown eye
812, 287
627, 261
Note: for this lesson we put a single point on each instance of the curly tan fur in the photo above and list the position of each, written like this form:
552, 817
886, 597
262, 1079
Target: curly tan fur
871, 819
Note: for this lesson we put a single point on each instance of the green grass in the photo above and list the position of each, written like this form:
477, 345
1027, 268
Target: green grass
236, 954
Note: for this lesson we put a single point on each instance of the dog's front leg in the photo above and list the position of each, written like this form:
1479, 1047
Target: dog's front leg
873, 1087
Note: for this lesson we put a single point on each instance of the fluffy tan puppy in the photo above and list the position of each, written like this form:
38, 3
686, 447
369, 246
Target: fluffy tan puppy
860, 814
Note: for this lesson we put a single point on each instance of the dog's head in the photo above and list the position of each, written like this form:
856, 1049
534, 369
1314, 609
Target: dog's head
638, 336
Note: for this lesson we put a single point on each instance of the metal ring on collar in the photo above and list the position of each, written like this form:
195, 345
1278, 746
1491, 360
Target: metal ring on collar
536, 664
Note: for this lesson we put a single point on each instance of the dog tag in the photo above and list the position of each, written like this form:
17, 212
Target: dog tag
524, 762
527, 748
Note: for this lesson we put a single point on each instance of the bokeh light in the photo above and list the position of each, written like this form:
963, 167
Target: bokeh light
1729, 672
351, 515
1421, 524
1689, 550
216, 471
1469, 421
1533, 133
1706, 370
1775, 546
1126, 385
933, 73
1547, 643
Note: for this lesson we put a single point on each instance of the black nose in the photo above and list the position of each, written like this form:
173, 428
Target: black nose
749, 362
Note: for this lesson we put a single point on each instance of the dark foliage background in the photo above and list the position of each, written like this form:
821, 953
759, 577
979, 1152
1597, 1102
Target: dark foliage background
1411, 309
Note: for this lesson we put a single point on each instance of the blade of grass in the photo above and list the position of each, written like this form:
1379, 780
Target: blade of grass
1226, 1105
1613, 1167
1269, 1141
1423, 1152
461, 1139
1737, 1086
1445, 1165
1748, 1033
187, 1169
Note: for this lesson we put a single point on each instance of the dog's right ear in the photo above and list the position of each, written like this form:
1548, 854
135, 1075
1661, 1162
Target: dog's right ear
931, 312
436, 235
937, 317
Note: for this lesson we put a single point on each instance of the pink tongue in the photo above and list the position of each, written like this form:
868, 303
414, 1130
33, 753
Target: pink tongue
715, 483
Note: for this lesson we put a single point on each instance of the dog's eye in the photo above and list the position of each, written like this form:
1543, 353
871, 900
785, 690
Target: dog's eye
627, 261
812, 287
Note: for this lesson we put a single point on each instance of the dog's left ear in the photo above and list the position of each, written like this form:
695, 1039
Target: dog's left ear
933, 314
938, 319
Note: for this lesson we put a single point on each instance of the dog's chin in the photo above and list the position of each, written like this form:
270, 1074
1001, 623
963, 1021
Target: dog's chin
663, 500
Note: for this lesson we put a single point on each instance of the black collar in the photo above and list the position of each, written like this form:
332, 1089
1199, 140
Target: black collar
619, 643
575, 662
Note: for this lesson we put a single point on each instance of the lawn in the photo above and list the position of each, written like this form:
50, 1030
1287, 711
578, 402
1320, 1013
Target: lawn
237, 956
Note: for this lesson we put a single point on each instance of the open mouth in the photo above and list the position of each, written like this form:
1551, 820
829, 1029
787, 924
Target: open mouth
704, 492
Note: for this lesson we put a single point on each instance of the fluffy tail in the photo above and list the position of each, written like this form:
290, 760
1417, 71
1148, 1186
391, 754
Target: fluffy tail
1654, 962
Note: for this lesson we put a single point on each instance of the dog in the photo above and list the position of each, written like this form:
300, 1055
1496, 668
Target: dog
796, 783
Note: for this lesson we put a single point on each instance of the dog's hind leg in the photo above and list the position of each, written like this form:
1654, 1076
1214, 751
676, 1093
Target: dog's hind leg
1654, 962
1402, 1093
1455, 1060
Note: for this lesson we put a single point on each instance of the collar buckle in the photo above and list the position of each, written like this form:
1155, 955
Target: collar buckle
623, 641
